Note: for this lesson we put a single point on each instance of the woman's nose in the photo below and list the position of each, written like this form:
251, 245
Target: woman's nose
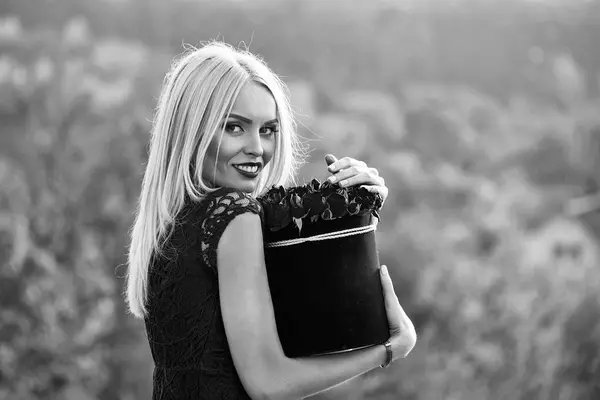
254, 144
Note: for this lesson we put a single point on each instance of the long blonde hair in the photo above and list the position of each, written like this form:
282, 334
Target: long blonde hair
197, 93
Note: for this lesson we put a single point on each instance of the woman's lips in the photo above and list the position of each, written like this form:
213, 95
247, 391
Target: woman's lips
248, 170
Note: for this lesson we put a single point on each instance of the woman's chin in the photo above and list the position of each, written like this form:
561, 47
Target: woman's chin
243, 184
247, 186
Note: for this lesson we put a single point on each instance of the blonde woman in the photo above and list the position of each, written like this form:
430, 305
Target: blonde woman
223, 133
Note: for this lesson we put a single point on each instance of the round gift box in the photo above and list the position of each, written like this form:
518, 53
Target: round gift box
326, 294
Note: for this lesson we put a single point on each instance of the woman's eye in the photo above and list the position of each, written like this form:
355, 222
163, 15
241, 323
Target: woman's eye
235, 128
269, 130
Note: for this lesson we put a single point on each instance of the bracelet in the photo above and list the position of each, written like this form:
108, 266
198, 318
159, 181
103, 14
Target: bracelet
388, 357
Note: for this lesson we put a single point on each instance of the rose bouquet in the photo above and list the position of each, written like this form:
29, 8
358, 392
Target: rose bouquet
316, 201
322, 265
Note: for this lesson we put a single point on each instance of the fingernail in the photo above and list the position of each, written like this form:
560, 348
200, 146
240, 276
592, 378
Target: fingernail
332, 167
384, 270
343, 183
331, 179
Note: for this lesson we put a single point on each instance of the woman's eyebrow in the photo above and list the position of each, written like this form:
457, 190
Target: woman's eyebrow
249, 121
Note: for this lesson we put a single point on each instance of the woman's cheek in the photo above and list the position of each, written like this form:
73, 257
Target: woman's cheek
270, 151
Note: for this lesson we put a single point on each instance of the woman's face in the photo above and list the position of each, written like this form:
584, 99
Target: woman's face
248, 141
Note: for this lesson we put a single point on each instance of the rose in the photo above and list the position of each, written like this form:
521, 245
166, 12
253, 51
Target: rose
314, 203
327, 188
277, 215
353, 208
327, 215
368, 201
276, 194
276, 208
337, 203
314, 186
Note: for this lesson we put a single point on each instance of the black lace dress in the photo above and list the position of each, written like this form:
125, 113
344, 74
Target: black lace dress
184, 323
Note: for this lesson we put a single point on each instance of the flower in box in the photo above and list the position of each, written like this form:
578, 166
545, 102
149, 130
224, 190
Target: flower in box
316, 201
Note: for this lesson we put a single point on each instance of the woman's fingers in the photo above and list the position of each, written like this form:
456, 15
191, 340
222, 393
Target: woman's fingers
382, 190
357, 176
356, 170
402, 330
351, 172
392, 306
344, 163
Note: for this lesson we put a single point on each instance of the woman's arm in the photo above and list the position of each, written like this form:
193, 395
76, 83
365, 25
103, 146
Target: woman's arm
248, 316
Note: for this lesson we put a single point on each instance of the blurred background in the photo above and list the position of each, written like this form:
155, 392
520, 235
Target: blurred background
483, 116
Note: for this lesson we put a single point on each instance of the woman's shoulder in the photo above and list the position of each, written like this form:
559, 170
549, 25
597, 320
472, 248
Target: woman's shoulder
227, 202
215, 213
199, 225
218, 203
209, 216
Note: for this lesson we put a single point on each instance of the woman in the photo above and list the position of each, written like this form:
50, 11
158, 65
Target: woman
223, 133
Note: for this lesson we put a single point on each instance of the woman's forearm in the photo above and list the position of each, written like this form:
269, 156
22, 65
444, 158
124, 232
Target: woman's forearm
296, 378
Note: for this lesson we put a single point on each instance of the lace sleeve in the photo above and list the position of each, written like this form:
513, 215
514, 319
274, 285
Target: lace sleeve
222, 207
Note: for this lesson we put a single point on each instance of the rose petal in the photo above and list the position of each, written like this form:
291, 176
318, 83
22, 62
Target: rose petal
327, 215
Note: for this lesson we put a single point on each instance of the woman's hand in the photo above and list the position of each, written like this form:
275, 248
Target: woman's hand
403, 336
349, 172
